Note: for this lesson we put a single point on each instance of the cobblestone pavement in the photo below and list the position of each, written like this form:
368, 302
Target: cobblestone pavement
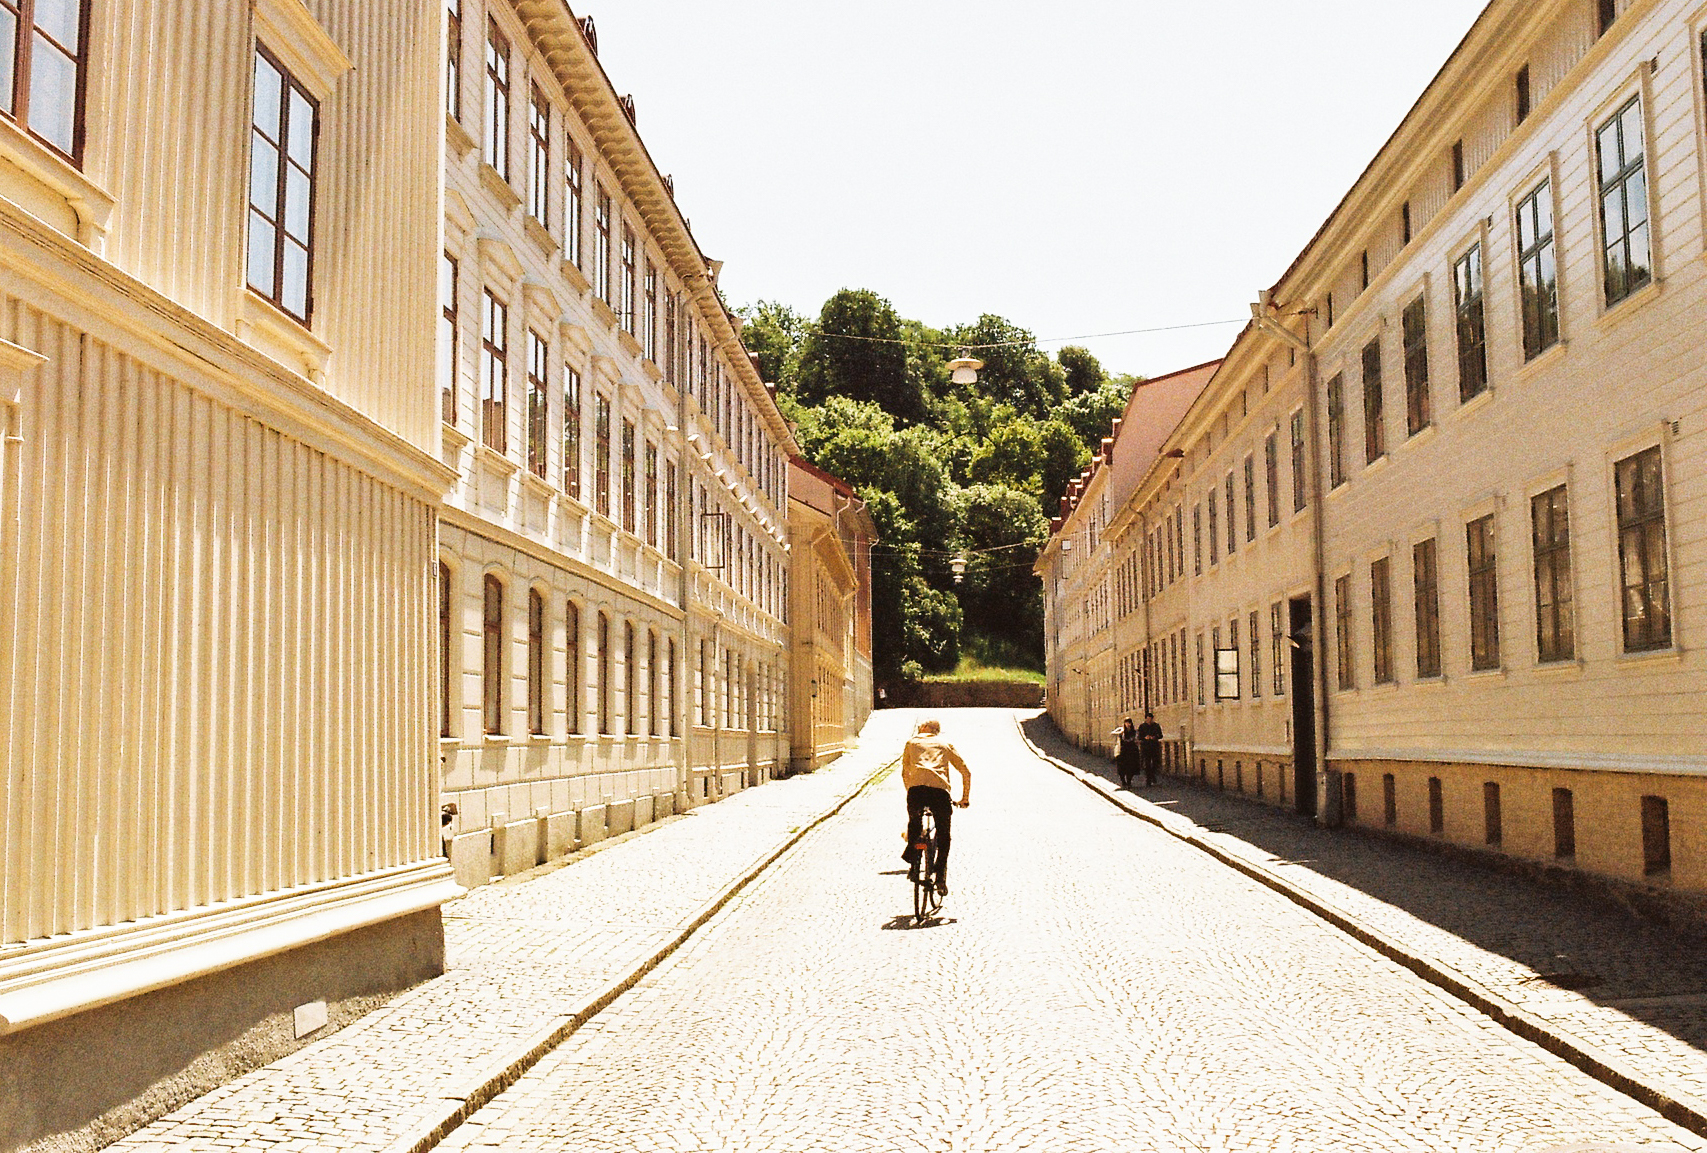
1586, 968
524, 959
1096, 984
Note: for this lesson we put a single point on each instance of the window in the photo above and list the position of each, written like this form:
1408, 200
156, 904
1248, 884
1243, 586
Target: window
670, 687
627, 301
1200, 689
1642, 552
601, 244
1623, 184
1280, 650
1521, 87
1484, 594
1336, 431
649, 314
572, 204
281, 188
601, 455
493, 371
604, 674
497, 143
1227, 664
571, 432
536, 663
1271, 477
1426, 583
1214, 530
1232, 515
453, 59
1405, 222
539, 153
1364, 265
537, 403
654, 718
1342, 632
1300, 493
1389, 800
1374, 414
447, 644
1537, 272
572, 682
1606, 11
651, 494
1436, 807
1381, 620
1492, 826
1348, 797
1256, 657
702, 682
492, 655
43, 53
1472, 333
447, 336
1656, 836
628, 521
1457, 165
1197, 539
1555, 638
1415, 325
671, 512
1564, 824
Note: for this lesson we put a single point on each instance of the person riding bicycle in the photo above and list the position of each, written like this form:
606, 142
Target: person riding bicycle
924, 770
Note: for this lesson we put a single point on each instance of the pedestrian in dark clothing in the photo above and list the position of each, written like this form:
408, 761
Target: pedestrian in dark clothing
1150, 746
1126, 757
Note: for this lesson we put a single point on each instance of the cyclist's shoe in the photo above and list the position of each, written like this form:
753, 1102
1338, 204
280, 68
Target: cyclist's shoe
942, 880
910, 854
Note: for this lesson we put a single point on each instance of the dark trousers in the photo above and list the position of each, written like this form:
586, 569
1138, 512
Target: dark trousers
920, 798
1152, 761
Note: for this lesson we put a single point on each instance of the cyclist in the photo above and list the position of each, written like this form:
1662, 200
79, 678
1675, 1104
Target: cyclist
924, 770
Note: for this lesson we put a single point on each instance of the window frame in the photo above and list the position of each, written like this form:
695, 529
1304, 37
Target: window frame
538, 405
1660, 550
1425, 601
495, 141
1345, 664
1413, 324
492, 655
536, 663
1482, 580
1532, 258
1554, 586
1335, 402
450, 338
453, 59
1620, 181
283, 163
574, 201
1381, 620
539, 153
1374, 404
572, 437
23, 56
494, 372
1470, 316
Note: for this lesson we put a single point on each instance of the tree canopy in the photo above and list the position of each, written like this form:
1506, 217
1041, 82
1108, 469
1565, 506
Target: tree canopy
946, 470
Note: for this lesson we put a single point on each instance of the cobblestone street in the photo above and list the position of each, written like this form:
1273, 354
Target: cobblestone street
1096, 984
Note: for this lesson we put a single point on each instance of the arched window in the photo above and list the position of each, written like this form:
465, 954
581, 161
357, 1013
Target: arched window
652, 712
536, 662
604, 673
492, 655
630, 706
445, 642
572, 685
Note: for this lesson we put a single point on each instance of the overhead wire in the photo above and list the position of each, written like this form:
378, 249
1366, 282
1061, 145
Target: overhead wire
962, 345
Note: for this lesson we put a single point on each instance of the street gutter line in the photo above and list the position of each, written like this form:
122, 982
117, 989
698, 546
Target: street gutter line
463, 1100
1682, 1109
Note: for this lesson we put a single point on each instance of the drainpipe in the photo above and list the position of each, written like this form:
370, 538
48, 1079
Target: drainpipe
1328, 811
680, 703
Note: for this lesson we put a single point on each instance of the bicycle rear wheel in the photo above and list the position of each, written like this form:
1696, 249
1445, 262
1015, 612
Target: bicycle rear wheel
926, 900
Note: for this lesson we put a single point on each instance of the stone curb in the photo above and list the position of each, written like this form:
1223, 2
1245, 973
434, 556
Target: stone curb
461, 1102
1682, 1109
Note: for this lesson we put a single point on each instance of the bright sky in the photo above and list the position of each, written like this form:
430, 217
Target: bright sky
1079, 167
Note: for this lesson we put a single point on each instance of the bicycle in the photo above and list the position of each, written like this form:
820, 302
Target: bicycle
927, 902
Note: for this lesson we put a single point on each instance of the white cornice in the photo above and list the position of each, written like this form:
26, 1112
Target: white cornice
292, 34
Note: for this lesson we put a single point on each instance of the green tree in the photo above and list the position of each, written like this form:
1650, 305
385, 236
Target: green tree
774, 332
1014, 371
1001, 531
1063, 457
857, 350
1092, 414
1010, 455
1082, 370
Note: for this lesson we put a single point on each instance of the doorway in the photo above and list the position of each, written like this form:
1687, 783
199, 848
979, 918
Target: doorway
1303, 706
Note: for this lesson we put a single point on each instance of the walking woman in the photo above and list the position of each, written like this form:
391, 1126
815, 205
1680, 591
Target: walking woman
1126, 759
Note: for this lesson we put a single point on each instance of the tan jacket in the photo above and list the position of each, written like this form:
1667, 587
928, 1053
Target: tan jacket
926, 760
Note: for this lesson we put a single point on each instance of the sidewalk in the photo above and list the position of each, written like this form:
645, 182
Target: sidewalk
1620, 997
527, 961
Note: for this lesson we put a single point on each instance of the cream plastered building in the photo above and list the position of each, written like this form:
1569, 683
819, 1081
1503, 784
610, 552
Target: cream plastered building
830, 538
613, 554
1470, 575
218, 489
